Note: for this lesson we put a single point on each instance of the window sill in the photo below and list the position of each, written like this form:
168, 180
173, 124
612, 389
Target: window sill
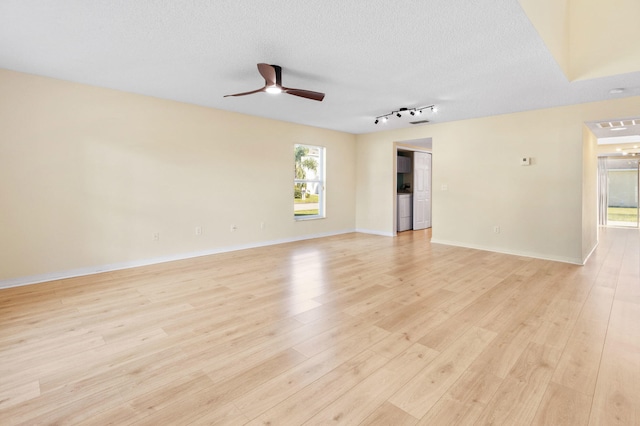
305, 218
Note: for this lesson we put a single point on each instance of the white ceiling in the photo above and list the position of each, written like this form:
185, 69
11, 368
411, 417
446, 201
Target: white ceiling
470, 58
619, 132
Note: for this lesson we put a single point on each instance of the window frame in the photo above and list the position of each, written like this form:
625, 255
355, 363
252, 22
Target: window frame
320, 180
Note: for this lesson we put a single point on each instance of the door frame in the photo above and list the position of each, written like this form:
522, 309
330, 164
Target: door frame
427, 189
406, 146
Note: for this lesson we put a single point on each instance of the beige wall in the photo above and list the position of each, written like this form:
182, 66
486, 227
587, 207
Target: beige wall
604, 38
543, 210
88, 175
589, 38
551, 20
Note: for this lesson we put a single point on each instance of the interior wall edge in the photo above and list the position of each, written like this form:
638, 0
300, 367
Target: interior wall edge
586, 258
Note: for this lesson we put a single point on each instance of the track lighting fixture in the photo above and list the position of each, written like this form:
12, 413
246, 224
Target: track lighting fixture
398, 113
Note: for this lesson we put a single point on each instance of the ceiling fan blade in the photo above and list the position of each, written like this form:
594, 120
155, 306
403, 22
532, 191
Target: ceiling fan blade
246, 93
269, 73
273, 84
316, 96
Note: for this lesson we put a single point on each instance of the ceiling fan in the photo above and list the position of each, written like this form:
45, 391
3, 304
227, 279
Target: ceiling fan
273, 84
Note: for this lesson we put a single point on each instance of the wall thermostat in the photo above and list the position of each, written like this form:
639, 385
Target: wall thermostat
525, 161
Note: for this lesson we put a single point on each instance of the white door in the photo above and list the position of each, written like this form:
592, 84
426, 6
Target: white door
421, 190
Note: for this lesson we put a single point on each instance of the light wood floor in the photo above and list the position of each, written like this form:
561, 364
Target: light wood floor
352, 329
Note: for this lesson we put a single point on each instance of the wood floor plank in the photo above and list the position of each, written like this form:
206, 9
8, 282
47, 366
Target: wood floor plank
210, 393
393, 345
445, 329
557, 323
121, 415
464, 401
261, 398
194, 411
323, 341
507, 348
517, 399
580, 361
34, 324
563, 406
12, 395
615, 401
627, 289
389, 414
186, 386
311, 399
366, 397
55, 373
516, 306
428, 385
415, 311
62, 408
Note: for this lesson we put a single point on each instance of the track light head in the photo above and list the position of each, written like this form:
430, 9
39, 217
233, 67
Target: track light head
398, 113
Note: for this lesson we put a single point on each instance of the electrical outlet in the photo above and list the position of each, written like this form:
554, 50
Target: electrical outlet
496, 229
233, 228
156, 236
262, 225
198, 230
444, 187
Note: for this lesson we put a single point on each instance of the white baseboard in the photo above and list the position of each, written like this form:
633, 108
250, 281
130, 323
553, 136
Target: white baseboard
35, 279
573, 261
595, 246
373, 232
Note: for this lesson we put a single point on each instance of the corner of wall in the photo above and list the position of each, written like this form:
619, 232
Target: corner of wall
589, 193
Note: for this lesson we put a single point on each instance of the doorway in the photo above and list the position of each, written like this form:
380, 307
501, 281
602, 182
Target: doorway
621, 192
412, 185
618, 150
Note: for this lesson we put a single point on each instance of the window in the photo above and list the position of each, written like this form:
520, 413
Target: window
308, 182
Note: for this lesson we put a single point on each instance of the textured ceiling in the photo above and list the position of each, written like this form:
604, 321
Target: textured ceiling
471, 58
